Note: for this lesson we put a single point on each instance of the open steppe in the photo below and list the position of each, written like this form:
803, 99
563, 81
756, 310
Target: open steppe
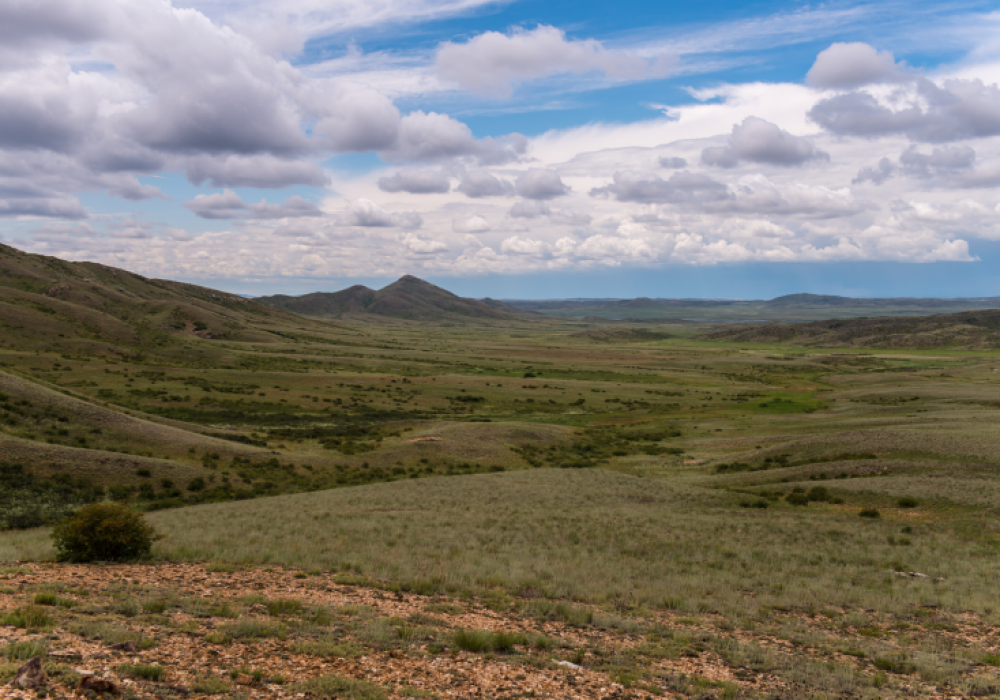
452, 507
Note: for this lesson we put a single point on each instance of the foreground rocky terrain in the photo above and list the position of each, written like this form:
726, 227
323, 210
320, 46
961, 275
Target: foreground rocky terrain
180, 630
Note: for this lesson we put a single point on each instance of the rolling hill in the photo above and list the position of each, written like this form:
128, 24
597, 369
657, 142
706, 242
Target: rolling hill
978, 330
92, 309
408, 298
791, 307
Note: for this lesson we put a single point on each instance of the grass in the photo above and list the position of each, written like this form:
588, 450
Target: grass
146, 672
341, 688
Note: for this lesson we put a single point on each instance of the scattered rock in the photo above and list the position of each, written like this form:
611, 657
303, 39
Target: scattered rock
65, 656
244, 679
31, 675
569, 664
97, 685
126, 647
425, 439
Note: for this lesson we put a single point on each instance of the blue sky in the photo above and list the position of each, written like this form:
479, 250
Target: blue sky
514, 149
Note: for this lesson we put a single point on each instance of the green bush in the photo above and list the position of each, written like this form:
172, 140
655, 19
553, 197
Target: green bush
103, 532
870, 513
797, 499
907, 502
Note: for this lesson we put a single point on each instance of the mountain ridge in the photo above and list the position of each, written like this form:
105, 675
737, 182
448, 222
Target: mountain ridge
409, 298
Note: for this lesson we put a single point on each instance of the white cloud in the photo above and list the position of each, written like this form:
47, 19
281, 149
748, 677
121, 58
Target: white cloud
480, 183
759, 141
491, 63
229, 205
851, 66
423, 246
539, 183
473, 224
415, 182
365, 213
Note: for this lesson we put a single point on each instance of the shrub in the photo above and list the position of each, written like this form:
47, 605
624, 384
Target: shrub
196, 484
870, 513
818, 493
797, 499
103, 532
907, 502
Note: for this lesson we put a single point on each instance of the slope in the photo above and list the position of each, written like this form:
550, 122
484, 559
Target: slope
978, 330
93, 309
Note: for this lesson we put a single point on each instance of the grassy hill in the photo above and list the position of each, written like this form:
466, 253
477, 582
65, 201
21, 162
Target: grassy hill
407, 298
972, 330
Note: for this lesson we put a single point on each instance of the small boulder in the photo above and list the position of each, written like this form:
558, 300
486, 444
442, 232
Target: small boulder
97, 685
126, 647
30, 675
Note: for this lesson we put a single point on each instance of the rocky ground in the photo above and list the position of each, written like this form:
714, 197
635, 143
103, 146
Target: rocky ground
186, 630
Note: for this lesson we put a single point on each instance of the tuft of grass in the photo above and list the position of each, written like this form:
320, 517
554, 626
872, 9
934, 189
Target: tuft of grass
210, 685
907, 502
22, 651
329, 647
252, 628
483, 641
341, 688
870, 513
30, 617
278, 608
147, 672
110, 633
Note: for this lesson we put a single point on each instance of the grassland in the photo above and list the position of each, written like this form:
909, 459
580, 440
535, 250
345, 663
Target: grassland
838, 502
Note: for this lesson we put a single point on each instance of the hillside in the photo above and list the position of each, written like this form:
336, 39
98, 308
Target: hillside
979, 330
93, 309
791, 307
408, 298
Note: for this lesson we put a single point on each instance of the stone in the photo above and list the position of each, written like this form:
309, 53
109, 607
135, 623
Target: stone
31, 675
98, 685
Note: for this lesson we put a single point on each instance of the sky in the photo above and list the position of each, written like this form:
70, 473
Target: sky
543, 149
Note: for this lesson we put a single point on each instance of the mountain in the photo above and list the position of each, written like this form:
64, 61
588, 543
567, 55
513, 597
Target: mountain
979, 330
408, 297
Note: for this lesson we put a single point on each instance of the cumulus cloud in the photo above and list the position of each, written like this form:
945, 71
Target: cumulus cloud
429, 136
473, 224
480, 183
415, 182
229, 205
672, 162
845, 66
423, 246
539, 183
491, 63
355, 119
252, 171
943, 161
683, 187
515, 245
876, 174
759, 141
528, 210
366, 213
926, 112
